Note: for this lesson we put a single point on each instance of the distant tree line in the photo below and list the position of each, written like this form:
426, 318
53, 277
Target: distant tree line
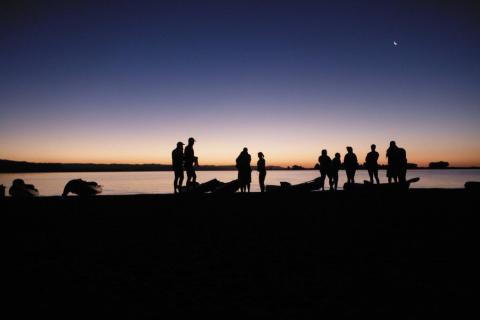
438, 165
7, 166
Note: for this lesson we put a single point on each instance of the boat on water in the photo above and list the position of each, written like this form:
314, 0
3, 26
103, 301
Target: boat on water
82, 188
22, 190
308, 186
367, 185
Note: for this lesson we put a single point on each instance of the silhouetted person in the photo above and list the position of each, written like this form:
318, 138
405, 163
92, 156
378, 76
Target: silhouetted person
336, 163
177, 166
244, 170
190, 161
392, 156
262, 171
350, 163
371, 162
402, 165
325, 164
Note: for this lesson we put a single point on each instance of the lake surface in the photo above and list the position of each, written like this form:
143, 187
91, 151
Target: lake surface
121, 183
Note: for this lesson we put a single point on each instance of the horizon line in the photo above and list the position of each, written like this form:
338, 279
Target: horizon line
451, 166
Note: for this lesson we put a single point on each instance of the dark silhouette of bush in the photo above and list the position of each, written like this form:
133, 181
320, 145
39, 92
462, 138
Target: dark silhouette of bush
438, 165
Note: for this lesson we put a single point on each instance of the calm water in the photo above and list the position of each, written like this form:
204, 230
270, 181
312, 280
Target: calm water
161, 182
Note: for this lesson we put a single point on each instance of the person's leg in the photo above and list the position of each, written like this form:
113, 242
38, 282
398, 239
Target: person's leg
189, 176
322, 180
180, 181
376, 176
261, 177
194, 177
248, 187
353, 176
370, 174
175, 183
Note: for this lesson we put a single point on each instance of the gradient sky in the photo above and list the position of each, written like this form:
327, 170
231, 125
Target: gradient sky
123, 81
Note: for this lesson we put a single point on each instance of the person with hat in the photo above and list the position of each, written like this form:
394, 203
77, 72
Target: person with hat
190, 162
177, 166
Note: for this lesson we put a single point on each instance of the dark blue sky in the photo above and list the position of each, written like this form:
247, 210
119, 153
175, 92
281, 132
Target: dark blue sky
286, 77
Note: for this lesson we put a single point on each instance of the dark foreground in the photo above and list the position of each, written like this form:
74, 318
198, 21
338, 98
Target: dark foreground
407, 255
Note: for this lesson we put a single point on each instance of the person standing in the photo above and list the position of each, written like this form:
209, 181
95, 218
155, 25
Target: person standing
244, 170
325, 163
177, 166
371, 162
190, 162
402, 165
336, 163
262, 171
392, 156
350, 163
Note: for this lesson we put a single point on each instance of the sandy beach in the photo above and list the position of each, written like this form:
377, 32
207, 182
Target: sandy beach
339, 254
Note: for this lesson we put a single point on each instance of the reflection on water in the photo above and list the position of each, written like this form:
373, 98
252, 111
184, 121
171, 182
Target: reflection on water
162, 182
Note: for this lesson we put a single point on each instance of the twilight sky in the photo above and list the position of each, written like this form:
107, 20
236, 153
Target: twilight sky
123, 81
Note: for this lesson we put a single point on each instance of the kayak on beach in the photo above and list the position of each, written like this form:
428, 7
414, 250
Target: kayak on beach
208, 186
308, 186
472, 185
229, 187
213, 186
367, 185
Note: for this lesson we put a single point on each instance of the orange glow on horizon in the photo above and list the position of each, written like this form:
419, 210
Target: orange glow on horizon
208, 161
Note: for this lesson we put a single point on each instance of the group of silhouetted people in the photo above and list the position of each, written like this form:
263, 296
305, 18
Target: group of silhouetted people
329, 168
185, 160
397, 163
245, 170
396, 170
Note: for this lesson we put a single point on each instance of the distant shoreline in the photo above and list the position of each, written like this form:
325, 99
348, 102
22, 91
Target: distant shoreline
9, 166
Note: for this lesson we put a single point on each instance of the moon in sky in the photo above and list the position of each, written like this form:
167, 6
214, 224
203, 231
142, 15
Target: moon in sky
395, 43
